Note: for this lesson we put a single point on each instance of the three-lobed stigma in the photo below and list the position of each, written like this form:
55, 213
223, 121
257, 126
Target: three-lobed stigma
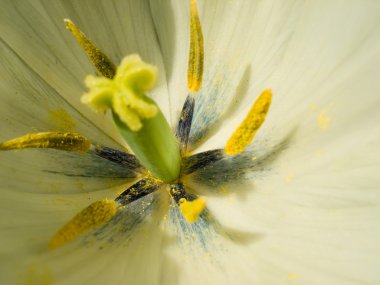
124, 94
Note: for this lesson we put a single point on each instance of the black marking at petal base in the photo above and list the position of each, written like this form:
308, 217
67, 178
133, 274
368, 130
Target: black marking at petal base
201, 160
184, 123
122, 158
138, 190
177, 191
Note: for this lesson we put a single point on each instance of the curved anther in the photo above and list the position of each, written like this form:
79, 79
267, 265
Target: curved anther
101, 62
184, 123
53, 140
122, 158
196, 51
138, 190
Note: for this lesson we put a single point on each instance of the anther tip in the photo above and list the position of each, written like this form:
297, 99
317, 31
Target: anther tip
68, 23
94, 215
192, 209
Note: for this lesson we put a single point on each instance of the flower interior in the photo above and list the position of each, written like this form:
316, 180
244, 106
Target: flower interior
160, 156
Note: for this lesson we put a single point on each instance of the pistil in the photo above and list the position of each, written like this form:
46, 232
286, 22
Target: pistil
136, 116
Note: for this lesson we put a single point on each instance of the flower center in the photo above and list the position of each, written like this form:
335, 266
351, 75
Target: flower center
160, 156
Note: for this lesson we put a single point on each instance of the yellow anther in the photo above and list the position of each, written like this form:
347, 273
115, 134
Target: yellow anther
102, 63
55, 140
124, 94
192, 209
96, 214
245, 133
196, 52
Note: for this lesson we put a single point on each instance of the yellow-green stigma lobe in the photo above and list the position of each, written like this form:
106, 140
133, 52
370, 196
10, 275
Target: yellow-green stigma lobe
95, 215
245, 133
196, 51
101, 62
124, 94
54, 140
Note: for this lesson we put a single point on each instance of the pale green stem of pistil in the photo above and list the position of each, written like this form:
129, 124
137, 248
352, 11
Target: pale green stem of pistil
137, 117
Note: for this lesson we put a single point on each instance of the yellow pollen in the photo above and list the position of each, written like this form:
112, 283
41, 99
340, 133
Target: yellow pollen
196, 52
54, 140
124, 94
62, 120
323, 120
292, 276
245, 133
96, 214
101, 62
192, 209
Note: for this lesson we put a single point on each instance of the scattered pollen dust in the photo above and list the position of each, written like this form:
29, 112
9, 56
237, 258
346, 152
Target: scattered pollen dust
39, 275
289, 178
323, 120
312, 107
292, 276
223, 190
62, 120
319, 152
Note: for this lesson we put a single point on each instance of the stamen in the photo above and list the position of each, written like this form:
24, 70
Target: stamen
54, 140
102, 63
192, 209
196, 52
245, 133
190, 205
201, 160
184, 124
122, 158
95, 215
137, 191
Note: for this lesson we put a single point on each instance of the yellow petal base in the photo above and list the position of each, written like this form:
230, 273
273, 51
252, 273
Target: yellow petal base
94, 215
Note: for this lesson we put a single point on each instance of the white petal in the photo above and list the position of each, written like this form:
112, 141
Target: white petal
119, 28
